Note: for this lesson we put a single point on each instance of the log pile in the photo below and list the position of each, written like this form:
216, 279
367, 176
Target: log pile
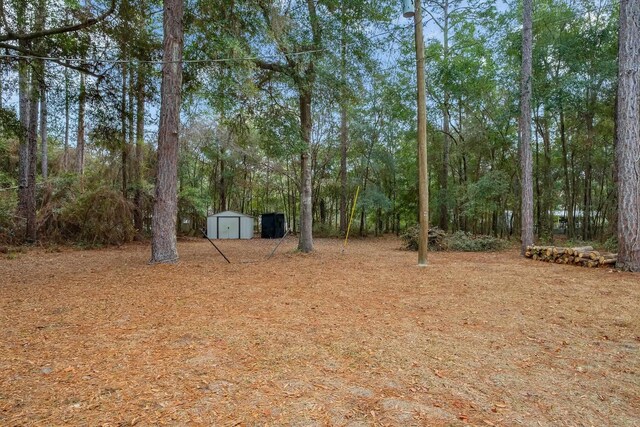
584, 256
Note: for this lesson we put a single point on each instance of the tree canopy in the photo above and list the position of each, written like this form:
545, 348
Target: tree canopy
289, 106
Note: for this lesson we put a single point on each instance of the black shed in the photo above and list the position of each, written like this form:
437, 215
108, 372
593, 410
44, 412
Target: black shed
273, 225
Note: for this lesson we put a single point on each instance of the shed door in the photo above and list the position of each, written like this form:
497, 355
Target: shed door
228, 228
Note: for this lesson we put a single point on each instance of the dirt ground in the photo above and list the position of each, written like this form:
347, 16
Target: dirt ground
362, 338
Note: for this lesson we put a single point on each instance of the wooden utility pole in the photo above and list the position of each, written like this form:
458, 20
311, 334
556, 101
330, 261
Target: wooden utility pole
423, 184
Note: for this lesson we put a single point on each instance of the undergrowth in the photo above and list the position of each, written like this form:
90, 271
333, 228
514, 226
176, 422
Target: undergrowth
467, 242
102, 216
458, 241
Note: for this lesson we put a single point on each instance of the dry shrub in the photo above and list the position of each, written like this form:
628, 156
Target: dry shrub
101, 216
8, 222
57, 196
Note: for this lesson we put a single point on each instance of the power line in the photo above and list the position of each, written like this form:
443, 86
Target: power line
184, 61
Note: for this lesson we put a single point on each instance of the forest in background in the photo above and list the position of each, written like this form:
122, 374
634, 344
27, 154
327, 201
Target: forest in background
249, 67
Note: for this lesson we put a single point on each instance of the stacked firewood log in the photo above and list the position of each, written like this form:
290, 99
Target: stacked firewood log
584, 256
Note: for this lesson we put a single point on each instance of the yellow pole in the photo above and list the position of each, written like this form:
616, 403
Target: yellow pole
353, 211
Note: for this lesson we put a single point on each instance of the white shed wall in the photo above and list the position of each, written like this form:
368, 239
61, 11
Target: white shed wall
246, 227
212, 230
229, 225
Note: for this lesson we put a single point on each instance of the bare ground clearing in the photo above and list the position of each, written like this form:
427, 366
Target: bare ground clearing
362, 338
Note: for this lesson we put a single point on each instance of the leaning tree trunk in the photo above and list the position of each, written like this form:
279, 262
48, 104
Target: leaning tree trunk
165, 208
305, 241
628, 137
524, 129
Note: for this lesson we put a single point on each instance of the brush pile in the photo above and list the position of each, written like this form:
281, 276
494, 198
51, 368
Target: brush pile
437, 238
584, 256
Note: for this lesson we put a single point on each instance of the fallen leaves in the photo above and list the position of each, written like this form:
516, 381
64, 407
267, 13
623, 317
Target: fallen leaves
364, 335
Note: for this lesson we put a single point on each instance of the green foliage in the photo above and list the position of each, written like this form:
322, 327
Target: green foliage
372, 199
191, 200
458, 241
467, 242
611, 244
8, 202
241, 140
9, 124
325, 230
484, 195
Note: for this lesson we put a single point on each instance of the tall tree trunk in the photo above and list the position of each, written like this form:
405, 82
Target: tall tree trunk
37, 86
23, 112
140, 107
67, 107
244, 187
567, 180
524, 128
165, 208
31, 230
547, 181
628, 137
344, 135
131, 123
123, 127
223, 184
444, 174
538, 198
365, 180
305, 241
544, 185
82, 99
462, 168
586, 219
612, 217
44, 148
323, 211
131, 117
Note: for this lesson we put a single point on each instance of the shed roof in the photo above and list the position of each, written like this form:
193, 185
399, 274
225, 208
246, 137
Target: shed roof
229, 213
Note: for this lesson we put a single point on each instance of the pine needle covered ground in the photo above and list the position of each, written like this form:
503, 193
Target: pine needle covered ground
361, 338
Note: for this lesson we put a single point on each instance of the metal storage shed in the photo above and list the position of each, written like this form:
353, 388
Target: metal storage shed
272, 225
229, 225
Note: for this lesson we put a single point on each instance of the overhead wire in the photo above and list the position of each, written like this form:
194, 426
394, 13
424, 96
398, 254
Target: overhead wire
604, 7
183, 61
